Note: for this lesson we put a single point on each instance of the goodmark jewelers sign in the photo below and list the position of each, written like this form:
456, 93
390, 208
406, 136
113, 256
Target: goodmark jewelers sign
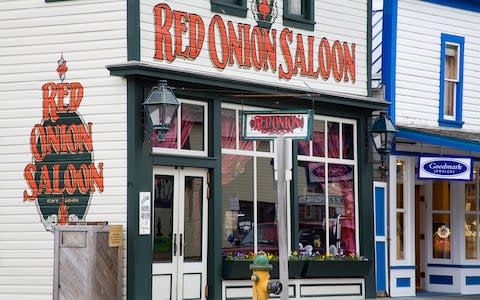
271, 124
445, 168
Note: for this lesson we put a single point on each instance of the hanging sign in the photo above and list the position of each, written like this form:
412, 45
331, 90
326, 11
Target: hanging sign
62, 176
294, 124
144, 213
445, 168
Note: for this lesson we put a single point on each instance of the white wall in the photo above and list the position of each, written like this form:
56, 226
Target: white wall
33, 34
343, 20
420, 25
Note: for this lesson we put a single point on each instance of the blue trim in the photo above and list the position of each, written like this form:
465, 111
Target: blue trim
457, 123
441, 279
381, 266
402, 267
471, 5
440, 140
380, 211
454, 266
389, 53
403, 282
472, 280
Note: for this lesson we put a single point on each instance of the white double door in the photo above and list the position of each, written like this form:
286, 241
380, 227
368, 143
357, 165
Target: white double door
179, 223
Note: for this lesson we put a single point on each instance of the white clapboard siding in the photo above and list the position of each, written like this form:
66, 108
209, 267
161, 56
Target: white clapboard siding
335, 19
91, 34
420, 25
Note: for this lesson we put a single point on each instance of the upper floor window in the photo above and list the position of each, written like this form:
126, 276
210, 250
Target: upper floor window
299, 13
230, 7
451, 81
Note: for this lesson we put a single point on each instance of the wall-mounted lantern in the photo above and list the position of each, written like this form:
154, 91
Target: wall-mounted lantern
161, 106
382, 132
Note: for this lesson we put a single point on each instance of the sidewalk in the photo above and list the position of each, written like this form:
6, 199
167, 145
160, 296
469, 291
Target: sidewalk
434, 296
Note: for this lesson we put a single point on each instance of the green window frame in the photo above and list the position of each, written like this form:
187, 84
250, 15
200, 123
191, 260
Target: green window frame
305, 19
230, 7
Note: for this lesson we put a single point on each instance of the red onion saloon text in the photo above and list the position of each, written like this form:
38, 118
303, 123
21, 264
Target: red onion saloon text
182, 34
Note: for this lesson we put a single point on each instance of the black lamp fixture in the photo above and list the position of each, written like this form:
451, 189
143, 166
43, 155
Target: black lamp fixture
161, 106
382, 132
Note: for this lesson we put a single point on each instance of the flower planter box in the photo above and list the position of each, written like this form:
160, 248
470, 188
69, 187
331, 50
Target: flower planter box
302, 269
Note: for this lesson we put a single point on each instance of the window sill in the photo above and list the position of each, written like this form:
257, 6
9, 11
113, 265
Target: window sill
222, 7
450, 123
298, 22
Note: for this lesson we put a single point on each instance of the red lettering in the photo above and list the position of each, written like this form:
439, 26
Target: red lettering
197, 35
286, 38
218, 23
180, 28
44, 182
270, 49
235, 44
300, 57
257, 48
49, 105
29, 174
56, 180
38, 134
76, 95
337, 61
310, 60
324, 58
246, 45
349, 62
162, 33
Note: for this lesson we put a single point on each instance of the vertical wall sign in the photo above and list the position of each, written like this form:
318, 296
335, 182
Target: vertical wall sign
62, 176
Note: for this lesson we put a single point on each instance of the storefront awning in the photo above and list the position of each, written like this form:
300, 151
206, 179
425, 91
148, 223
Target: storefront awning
450, 138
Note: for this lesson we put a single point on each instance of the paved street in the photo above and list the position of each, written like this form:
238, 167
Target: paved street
434, 296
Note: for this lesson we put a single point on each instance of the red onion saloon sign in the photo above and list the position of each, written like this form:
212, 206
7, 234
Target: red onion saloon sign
180, 34
272, 124
62, 175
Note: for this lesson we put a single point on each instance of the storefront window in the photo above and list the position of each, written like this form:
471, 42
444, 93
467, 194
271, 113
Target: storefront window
326, 189
190, 135
248, 190
471, 217
400, 210
441, 225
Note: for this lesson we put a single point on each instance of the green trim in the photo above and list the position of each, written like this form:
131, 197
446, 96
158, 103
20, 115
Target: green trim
225, 84
295, 228
369, 48
139, 179
228, 8
184, 161
215, 207
365, 209
305, 21
133, 29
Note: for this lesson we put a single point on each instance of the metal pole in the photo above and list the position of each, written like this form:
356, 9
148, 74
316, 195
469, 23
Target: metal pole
281, 178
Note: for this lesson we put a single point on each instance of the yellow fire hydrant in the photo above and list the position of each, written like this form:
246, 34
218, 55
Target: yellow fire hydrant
261, 274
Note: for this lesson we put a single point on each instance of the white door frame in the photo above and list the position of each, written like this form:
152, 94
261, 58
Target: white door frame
168, 277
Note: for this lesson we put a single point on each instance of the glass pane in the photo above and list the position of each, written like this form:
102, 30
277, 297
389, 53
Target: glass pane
471, 237
295, 7
333, 140
193, 207
169, 139
449, 98
163, 218
441, 235
347, 141
471, 193
237, 197
229, 130
400, 183
311, 206
266, 194
341, 210
441, 195
244, 144
192, 133
303, 147
319, 138
451, 62
263, 146
400, 236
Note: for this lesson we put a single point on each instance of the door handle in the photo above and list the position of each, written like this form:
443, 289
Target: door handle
181, 244
174, 245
